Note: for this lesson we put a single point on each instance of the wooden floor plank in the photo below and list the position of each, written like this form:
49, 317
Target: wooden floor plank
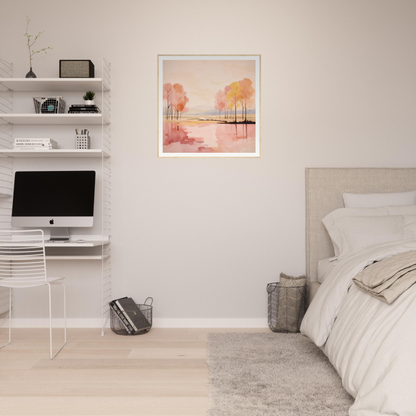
129, 364
17, 363
143, 388
162, 373
152, 375
104, 406
169, 353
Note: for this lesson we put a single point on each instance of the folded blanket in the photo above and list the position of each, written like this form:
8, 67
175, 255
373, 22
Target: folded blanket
290, 299
389, 278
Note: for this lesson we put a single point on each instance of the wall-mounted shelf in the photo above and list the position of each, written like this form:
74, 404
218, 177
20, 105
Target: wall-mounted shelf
52, 84
84, 153
76, 244
22, 90
81, 257
68, 244
61, 119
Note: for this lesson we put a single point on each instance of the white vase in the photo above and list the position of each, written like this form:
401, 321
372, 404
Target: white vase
89, 102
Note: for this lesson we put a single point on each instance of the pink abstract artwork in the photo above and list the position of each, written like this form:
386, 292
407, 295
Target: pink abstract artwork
209, 106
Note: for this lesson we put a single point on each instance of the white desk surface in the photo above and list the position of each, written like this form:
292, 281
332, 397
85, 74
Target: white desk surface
74, 243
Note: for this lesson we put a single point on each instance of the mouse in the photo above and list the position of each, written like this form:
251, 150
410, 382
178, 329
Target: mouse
80, 241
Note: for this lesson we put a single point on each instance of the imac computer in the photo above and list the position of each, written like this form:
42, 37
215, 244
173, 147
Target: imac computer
55, 200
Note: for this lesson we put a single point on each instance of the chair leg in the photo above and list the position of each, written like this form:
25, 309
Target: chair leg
50, 322
10, 319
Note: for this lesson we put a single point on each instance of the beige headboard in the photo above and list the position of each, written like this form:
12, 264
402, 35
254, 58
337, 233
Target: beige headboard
324, 189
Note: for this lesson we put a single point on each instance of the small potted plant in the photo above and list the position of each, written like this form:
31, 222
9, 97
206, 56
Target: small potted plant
89, 98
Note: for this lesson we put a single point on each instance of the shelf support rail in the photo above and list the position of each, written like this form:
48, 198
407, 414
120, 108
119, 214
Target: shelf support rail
6, 167
6, 95
106, 191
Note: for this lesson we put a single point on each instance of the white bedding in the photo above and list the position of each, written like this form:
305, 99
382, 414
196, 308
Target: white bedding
371, 344
325, 267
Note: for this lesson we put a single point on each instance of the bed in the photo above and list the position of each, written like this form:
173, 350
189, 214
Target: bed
370, 343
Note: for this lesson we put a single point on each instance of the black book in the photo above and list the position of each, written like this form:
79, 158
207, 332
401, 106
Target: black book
84, 112
121, 316
92, 109
133, 314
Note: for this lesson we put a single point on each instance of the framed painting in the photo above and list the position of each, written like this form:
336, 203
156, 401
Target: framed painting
209, 105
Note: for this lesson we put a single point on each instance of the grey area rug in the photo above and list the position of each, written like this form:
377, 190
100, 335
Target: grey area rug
272, 374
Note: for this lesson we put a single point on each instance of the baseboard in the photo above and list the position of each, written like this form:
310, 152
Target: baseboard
157, 323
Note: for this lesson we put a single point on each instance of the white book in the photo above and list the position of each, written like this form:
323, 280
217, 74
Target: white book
35, 140
29, 139
34, 148
33, 144
29, 149
24, 148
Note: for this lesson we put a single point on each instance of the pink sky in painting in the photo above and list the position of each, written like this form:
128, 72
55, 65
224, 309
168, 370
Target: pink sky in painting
202, 79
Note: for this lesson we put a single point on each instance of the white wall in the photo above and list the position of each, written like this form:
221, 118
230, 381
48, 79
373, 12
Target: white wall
204, 236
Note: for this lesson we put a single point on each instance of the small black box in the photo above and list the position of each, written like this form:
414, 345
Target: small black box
75, 68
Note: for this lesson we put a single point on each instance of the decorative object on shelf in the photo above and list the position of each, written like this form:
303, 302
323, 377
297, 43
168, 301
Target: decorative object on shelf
89, 98
49, 105
30, 43
72, 68
34, 144
220, 93
82, 141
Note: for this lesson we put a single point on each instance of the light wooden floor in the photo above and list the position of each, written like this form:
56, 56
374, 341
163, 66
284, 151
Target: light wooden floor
162, 373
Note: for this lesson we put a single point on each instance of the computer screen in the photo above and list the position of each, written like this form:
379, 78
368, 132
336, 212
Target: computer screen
53, 199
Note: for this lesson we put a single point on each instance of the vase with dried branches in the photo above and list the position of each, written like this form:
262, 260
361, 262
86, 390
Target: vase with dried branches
31, 39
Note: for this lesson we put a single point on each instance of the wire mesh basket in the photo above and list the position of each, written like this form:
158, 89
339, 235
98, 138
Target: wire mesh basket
49, 105
117, 326
286, 307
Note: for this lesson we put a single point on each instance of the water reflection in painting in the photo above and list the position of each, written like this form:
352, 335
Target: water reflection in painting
208, 138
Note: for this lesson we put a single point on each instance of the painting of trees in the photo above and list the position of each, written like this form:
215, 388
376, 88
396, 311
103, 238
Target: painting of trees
175, 100
167, 94
247, 96
208, 105
237, 94
234, 97
220, 101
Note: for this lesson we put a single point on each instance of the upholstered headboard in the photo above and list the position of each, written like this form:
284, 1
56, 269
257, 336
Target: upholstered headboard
324, 189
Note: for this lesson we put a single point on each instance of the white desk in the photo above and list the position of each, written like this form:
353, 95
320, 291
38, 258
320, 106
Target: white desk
72, 250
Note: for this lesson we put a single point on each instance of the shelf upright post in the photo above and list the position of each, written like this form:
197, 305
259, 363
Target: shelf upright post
106, 190
6, 163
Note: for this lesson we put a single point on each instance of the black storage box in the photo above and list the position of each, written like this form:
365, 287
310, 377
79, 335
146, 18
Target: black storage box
75, 68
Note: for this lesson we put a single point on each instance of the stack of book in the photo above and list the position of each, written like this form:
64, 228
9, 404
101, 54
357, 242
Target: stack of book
35, 144
83, 109
130, 315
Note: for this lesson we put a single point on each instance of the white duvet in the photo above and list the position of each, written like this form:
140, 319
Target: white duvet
370, 343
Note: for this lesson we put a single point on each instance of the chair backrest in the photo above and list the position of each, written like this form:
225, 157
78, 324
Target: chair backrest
22, 258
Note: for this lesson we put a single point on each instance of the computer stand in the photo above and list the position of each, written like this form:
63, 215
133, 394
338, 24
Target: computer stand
59, 234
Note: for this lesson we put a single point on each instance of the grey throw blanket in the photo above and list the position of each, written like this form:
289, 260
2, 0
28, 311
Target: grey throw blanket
389, 278
290, 298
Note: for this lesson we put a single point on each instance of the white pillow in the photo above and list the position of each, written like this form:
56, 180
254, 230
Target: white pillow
353, 233
379, 200
332, 219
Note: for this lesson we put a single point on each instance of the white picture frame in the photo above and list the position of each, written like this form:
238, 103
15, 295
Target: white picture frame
209, 105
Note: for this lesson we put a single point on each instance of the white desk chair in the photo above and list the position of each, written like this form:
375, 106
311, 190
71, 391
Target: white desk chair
23, 265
